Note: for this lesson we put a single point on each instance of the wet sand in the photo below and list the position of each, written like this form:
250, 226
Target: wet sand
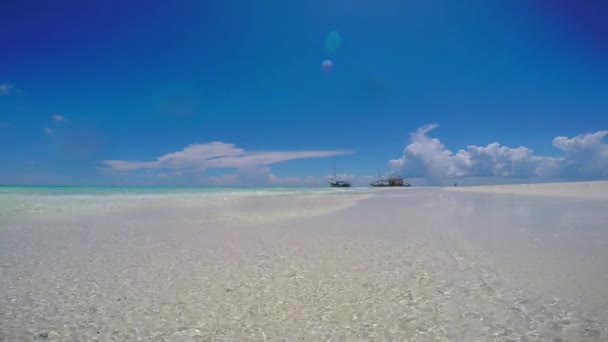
387, 265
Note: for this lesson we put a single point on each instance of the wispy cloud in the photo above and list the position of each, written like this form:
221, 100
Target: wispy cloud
57, 118
216, 155
585, 157
6, 88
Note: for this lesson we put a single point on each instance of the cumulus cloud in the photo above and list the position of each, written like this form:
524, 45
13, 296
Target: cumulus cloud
424, 156
584, 157
217, 155
48, 130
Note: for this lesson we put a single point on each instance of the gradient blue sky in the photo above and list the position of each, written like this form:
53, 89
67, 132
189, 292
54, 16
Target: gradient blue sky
135, 80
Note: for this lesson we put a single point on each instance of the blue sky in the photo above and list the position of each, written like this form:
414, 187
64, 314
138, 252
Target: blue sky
130, 82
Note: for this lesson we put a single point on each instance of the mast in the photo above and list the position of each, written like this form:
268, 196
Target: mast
335, 176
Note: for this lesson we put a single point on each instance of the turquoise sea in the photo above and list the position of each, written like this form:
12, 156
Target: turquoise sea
111, 190
8, 192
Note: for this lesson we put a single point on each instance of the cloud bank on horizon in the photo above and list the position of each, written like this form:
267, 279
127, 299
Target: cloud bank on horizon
585, 157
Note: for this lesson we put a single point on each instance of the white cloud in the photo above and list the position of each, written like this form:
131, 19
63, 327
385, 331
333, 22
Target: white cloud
424, 156
57, 118
6, 88
585, 157
216, 155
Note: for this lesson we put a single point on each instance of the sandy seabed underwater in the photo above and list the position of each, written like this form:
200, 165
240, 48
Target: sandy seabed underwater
529, 263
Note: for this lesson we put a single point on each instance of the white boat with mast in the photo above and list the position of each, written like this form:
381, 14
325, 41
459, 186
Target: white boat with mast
338, 182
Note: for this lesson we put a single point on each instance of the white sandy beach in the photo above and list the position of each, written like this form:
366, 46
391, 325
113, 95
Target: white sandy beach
494, 263
596, 190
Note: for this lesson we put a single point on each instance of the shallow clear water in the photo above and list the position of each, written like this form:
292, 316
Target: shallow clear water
76, 190
407, 264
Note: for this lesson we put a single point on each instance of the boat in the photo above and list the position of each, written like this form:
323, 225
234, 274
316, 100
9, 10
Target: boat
390, 181
337, 182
